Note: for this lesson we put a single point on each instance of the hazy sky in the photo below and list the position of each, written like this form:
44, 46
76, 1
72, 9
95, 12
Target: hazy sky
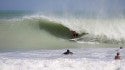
62, 5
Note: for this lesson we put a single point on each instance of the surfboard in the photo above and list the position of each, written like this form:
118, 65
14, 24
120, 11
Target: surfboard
74, 39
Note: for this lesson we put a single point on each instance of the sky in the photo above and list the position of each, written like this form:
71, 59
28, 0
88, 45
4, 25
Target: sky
60, 5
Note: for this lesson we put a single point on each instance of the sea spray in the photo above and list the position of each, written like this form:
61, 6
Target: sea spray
52, 30
103, 30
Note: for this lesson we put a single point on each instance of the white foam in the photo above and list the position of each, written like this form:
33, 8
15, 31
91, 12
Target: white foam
82, 59
59, 64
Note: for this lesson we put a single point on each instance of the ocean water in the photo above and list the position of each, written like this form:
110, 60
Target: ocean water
82, 59
36, 41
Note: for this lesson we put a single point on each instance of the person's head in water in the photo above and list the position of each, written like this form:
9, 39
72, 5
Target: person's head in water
68, 51
121, 47
117, 57
118, 53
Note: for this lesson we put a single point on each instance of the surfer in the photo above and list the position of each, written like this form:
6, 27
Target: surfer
117, 57
68, 52
74, 34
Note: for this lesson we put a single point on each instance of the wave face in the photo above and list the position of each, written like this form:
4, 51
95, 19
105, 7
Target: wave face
102, 30
33, 34
52, 30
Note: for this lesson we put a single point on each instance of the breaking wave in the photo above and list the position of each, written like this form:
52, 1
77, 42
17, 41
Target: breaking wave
94, 30
53, 31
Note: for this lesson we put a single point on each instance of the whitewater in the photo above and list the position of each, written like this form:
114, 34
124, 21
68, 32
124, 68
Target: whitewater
36, 42
82, 59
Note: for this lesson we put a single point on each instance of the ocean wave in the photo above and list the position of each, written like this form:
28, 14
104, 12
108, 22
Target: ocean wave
93, 30
99, 30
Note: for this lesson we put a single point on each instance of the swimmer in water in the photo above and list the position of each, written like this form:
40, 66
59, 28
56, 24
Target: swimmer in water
67, 52
117, 57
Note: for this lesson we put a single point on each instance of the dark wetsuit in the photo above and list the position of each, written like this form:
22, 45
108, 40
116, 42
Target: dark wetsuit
67, 52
